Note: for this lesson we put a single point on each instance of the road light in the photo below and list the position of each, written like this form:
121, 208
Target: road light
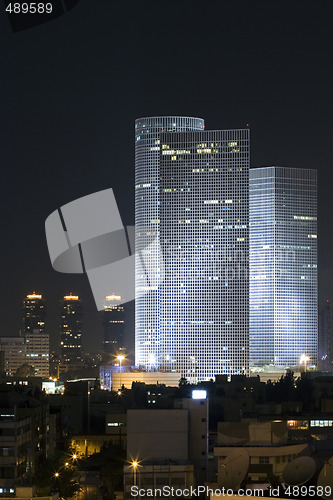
135, 466
120, 358
304, 359
56, 474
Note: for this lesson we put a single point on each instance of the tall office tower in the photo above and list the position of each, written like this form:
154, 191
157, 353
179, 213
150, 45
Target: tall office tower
114, 325
283, 266
197, 320
34, 313
71, 316
147, 183
325, 337
37, 348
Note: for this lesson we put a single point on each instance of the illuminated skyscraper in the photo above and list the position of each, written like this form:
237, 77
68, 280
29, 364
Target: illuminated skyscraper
147, 205
114, 325
34, 313
283, 266
71, 316
192, 191
37, 341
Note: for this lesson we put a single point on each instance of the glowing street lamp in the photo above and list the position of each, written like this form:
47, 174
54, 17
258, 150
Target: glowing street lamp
304, 359
56, 474
135, 466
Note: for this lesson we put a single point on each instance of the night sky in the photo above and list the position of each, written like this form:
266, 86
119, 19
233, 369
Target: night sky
72, 88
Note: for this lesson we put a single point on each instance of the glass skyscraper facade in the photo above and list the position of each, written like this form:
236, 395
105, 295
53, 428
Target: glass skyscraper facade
147, 208
283, 266
196, 321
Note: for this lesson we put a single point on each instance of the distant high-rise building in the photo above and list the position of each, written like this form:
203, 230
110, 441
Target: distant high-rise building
37, 348
192, 192
283, 266
113, 324
325, 337
14, 353
71, 316
34, 313
35, 337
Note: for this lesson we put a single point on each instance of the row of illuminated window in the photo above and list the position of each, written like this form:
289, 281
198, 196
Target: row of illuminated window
304, 217
37, 355
214, 202
175, 151
198, 170
321, 423
142, 185
203, 144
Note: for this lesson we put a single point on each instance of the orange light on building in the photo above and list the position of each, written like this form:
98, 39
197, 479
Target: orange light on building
113, 297
71, 297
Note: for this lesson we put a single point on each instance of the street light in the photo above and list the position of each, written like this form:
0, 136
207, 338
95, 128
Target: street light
135, 466
304, 359
120, 358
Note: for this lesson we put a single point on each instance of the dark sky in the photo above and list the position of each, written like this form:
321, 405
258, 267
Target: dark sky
72, 88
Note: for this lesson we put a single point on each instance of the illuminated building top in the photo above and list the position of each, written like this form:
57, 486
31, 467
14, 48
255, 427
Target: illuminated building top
113, 297
34, 296
71, 297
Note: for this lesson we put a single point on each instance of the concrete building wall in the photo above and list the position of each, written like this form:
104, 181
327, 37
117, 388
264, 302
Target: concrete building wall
154, 435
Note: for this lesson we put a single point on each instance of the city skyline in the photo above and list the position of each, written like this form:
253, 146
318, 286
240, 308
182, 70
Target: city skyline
179, 323
75, 137
205, 131
171, 334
